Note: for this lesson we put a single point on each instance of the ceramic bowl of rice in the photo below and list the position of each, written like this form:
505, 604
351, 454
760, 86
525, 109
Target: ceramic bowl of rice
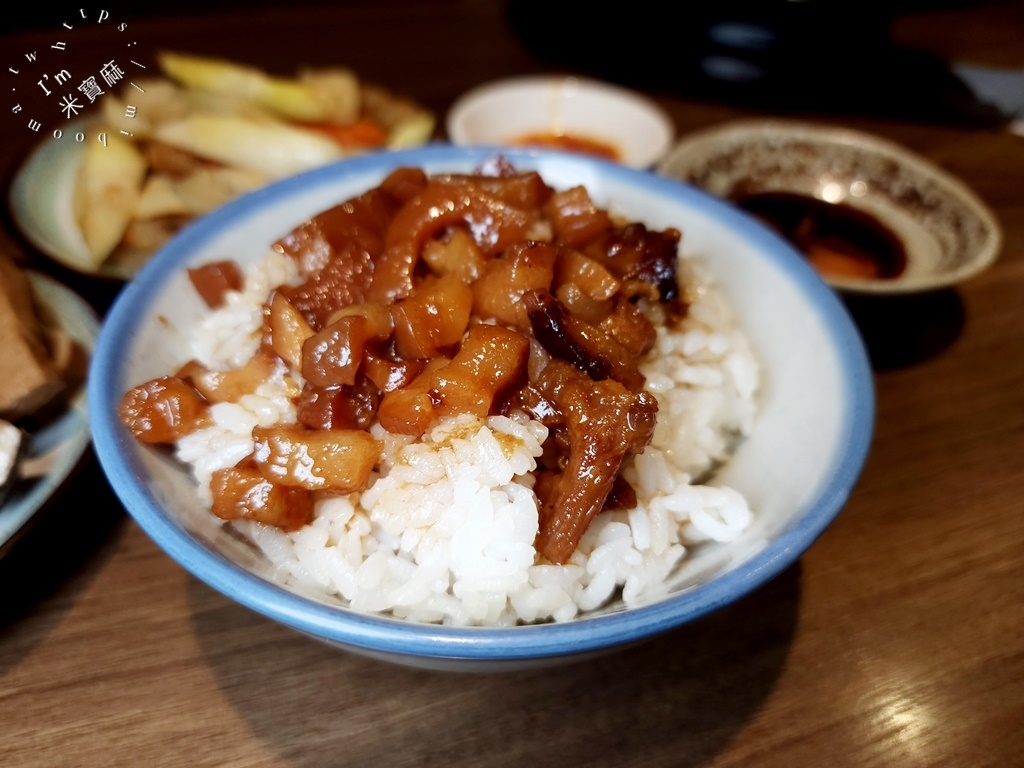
445, 552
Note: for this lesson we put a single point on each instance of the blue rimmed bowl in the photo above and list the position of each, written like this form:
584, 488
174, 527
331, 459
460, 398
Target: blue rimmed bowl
797, 468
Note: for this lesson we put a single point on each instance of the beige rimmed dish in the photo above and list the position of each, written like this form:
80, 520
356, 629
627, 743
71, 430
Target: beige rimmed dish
947, 232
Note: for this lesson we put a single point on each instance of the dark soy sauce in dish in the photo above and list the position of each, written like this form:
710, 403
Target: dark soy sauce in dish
837, 239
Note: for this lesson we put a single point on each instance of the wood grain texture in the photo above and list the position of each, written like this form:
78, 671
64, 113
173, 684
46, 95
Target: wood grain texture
897, 640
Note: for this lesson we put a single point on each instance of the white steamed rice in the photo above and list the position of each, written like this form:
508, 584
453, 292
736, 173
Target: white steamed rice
445, 531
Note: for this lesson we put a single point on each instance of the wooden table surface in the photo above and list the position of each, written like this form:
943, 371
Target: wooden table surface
896, 640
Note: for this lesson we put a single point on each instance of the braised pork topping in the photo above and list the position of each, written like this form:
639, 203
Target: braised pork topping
433, 296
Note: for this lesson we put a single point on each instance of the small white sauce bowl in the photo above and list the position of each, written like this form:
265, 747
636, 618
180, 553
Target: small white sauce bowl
501, 113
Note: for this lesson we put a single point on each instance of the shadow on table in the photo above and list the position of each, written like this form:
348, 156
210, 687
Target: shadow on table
901, 331
57, 553
677, 698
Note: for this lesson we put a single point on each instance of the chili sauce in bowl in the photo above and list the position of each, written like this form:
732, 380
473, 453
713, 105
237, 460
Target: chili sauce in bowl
571, 114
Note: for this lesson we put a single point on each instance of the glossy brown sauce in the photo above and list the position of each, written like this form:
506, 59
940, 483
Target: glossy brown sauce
568, 142
838, 240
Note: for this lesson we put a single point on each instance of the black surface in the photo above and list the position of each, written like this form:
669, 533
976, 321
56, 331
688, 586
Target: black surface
832, 56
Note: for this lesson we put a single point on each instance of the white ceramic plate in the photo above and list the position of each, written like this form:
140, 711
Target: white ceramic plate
56, 448
502, 112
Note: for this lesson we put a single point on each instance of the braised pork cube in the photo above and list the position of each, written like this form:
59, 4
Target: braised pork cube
585, 286
605, 424
344, 280
521, 190
229, 386
389, 374
498, 293
338, 460
337, 251
456, 255
403, 184
494, 223
589, 348
411, 409
242, 493
332, 356
491, 360
339, 407
644, 259
575, 219
432, 318
335, 356
214, 280
590, 275
629, 327
163, 410
287, 329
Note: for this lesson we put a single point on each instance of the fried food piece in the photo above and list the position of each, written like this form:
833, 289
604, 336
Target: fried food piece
12, 448
28, 378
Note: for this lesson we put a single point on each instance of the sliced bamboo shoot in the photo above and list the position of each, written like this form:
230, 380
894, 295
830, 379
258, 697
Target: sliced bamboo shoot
271, 148
107, 190
283, 96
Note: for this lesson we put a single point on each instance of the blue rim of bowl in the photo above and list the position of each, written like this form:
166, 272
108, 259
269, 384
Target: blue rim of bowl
389, 635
